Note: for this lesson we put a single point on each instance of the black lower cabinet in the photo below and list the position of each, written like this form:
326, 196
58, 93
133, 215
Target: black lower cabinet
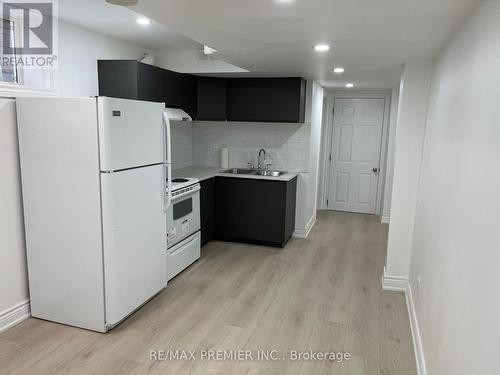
255, 210
207, 210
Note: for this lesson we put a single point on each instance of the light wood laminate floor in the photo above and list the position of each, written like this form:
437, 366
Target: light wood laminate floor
322, 293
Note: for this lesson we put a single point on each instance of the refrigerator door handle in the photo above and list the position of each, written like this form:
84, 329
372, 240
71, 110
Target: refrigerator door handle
167, 168
168, 164
168, 145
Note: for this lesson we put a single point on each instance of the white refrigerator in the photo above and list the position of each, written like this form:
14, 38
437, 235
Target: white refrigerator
94, 174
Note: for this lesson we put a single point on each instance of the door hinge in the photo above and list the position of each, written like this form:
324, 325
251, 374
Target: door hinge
330, 158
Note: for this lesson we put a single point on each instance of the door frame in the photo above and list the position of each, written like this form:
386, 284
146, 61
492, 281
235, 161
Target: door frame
327, 142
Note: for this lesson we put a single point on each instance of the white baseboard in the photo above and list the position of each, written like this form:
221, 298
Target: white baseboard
415, 332
304, 232
401, 284
394, 283
385, 219
14, 315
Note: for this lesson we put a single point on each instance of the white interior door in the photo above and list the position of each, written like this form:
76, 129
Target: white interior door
134, 237
355, 155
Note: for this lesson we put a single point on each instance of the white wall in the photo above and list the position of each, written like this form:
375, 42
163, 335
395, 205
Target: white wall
315, 149
323, 155
456, 247
13, 272
410, 130
79, 50
391, 149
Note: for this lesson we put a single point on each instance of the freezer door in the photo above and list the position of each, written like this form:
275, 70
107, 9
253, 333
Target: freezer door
131, 133
134, 237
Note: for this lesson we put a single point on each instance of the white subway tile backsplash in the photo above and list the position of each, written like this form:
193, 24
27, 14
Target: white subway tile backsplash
199, 143
287, 145
182, 144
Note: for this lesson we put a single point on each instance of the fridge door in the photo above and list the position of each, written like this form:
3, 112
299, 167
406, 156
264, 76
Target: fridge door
134, 238
131, 133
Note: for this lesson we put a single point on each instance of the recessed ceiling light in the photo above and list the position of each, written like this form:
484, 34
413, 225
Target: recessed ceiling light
143, 21
321, 47
349, 85
339, 70
284, 1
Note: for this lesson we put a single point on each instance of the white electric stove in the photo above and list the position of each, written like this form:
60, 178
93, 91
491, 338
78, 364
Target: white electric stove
183, 225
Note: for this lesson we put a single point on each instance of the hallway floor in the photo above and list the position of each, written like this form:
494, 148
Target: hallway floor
322, 294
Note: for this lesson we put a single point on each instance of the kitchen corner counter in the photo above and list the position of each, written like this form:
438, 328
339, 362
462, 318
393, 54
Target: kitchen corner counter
201, 173
204, 173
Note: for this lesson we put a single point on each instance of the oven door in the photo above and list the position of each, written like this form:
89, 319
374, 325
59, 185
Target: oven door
183, 217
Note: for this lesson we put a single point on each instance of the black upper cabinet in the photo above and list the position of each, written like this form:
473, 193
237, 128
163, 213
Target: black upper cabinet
266, 99
183, 88
130, 79
149, 83
211, 99
118, 79
251, 99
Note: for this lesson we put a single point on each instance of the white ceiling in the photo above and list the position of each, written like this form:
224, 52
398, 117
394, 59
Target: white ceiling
370, 38
120, 22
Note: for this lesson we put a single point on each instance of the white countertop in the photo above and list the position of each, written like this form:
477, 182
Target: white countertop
201, 173
204, 173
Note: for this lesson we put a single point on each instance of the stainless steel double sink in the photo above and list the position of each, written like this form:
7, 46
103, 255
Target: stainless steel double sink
257, 172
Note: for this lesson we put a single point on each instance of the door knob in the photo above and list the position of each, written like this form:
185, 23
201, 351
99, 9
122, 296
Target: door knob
376, 170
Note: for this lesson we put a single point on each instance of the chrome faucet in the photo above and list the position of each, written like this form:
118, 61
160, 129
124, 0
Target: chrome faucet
260, 161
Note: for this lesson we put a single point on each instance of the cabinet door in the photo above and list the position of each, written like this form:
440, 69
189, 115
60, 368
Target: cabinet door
150, 83
130, 79
117, 78
211, 99
266, 99
207, 210
250, 210
180, 91
189, 100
